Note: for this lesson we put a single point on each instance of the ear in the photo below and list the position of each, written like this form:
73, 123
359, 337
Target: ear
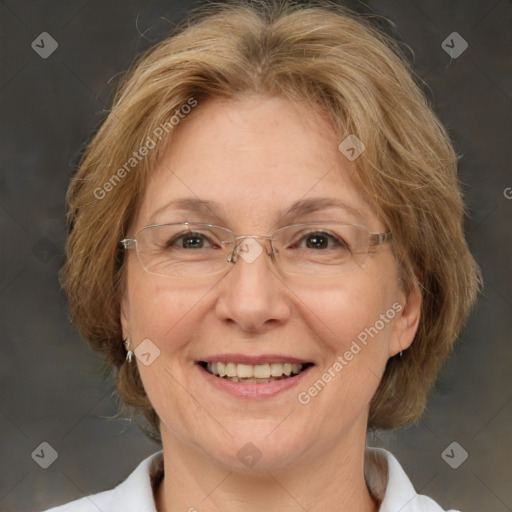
406, 321
125, 317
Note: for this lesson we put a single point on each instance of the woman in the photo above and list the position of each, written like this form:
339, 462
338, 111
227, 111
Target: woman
266, 243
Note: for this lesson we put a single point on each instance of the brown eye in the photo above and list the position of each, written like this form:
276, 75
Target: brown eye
323, 240
190, 240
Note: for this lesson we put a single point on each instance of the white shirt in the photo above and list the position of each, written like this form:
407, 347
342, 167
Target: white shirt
385, 478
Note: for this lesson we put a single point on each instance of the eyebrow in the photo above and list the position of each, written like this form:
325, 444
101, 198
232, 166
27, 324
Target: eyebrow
307, 206
300, 208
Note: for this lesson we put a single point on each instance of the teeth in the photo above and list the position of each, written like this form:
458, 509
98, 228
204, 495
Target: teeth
244, 370
253, 373
276, 369
262, 371
221, 368
231, 370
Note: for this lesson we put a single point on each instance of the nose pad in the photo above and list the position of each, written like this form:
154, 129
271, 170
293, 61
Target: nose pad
249, 249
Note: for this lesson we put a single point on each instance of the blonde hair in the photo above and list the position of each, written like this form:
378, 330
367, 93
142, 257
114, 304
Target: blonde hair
328, 56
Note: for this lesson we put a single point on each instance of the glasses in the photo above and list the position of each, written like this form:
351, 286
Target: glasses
189, 249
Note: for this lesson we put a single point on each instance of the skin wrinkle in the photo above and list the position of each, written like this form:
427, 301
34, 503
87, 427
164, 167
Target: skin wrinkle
202, 208
252, 310
317, 58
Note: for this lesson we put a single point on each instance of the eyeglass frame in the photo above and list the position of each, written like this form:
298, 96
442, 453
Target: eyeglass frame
376, 239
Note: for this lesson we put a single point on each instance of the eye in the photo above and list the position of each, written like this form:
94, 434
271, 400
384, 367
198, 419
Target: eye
189, 240
323, 240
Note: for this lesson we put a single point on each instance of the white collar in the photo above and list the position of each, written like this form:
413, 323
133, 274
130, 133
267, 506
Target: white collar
389, 484
385, 478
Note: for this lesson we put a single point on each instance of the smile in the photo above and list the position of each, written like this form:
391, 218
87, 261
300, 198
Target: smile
257, 373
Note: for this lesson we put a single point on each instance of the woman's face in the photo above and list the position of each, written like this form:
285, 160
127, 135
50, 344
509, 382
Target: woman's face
255, 158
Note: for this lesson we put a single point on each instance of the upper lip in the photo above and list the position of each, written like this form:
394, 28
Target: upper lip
261, 359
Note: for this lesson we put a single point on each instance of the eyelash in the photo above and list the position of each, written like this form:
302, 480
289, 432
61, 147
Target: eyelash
303, 237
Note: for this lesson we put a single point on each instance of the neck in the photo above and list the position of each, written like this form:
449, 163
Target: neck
333, 480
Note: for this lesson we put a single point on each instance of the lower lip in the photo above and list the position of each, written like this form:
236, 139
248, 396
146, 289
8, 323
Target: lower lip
253, 390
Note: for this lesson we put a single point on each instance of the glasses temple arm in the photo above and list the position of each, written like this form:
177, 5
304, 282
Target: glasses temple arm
381, 238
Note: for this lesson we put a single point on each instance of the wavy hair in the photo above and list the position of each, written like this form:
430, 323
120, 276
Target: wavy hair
337, 60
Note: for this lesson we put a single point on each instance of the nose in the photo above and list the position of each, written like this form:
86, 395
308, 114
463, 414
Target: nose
249, 248
253, 293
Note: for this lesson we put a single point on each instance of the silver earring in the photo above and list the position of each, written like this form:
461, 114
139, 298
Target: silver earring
401, 352
129, 354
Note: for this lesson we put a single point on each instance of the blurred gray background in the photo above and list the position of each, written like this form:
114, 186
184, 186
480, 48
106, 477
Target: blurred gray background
52, 387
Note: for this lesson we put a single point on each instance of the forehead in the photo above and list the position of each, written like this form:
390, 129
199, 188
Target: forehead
258, 159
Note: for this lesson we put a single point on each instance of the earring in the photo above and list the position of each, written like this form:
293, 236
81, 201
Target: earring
129, 354
401, 352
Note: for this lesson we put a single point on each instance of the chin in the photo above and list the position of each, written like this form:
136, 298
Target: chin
254, 445
253, 455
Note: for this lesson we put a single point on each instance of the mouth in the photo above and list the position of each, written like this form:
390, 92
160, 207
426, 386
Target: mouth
254, 373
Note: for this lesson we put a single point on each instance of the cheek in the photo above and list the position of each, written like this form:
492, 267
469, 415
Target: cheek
359, 309
168, 316
157, 310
